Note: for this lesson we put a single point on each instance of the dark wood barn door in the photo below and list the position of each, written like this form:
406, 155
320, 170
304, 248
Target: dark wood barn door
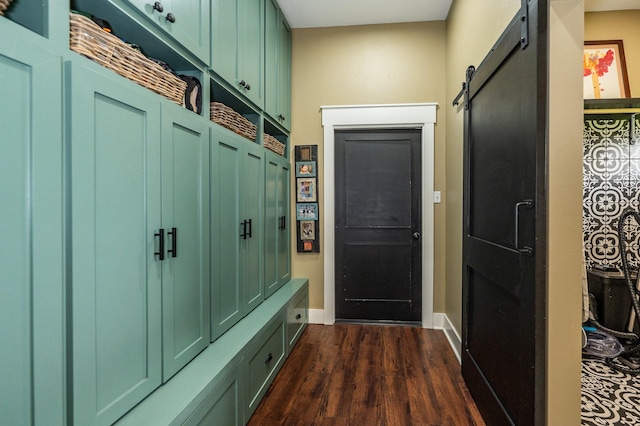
504, 244
378, 240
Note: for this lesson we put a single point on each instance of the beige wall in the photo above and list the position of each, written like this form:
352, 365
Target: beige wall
371, 64
472, 28
619, 25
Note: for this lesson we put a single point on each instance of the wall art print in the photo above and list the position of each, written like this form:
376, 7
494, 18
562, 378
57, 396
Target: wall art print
611, 184
605, 70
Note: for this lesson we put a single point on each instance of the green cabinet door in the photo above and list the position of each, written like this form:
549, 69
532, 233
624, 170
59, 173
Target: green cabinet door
284, 74
227, 296
252, 247
185, 204
277, 241
237, 46
187, 22
31, 253
251, 52
224, 39
284, 212
237, 210
271, 41
277, 65
115, 277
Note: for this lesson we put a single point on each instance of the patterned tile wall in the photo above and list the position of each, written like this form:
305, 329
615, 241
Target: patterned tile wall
611, 184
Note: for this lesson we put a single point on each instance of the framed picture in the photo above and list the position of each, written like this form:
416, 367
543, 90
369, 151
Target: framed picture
307, 211
605, 70
306, 190
307, 230
305, 168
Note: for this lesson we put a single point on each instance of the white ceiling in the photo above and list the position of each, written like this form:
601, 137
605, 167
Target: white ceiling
334, 13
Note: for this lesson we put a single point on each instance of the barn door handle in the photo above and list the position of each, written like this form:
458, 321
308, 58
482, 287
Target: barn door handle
528, 204
160, 252
174, 242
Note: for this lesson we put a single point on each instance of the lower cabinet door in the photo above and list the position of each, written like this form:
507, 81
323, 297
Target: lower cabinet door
227, 297
114, 278
185, 219
223, 406
265, 357
31, 220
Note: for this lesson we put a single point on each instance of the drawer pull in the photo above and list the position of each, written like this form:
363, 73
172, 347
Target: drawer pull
269, 358
158, 6
298, 316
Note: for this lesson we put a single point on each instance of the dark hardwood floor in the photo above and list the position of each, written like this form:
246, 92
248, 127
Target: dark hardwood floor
369, 375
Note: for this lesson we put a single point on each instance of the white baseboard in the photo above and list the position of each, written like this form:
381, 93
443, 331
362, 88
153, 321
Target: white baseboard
316, 316
441, 322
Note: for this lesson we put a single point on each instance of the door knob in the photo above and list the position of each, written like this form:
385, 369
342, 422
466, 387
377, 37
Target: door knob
416, 235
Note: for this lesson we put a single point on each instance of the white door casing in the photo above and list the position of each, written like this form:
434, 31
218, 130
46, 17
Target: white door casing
397, 116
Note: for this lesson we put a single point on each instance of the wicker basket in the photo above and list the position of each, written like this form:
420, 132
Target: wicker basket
227, 117
4, 4
88, 39
273, 144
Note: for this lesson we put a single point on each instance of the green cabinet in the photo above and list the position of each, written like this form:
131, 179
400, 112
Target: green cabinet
185, 202
237, 45
115, 276
31, 225
277, 223
138, 185
237, 214
187, 22
277, 65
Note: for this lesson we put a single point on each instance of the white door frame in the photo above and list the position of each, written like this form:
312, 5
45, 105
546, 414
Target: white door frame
397, 116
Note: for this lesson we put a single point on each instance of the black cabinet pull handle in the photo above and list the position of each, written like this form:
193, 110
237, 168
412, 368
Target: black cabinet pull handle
284, 223
243, 83
160, 252
269, 358
250, 227
248, 87
298, 316
281, 117
157, 6
174, 242
243, 224
171, 17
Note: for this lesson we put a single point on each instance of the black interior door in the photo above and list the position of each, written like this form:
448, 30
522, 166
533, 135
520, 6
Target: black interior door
377, 237
504, 224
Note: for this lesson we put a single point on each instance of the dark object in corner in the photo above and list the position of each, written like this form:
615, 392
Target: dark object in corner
192, 94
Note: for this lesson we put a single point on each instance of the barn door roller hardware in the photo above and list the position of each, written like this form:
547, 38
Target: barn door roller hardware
524, 24
465, 89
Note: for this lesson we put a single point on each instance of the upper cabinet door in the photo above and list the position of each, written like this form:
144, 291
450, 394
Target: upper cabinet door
185, 218
185, 21
277, 65
224, 39
284, 74
237, 48
251, 54
114, 158
31, 262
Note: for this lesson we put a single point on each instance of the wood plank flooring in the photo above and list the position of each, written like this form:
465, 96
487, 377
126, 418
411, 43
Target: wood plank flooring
369, 375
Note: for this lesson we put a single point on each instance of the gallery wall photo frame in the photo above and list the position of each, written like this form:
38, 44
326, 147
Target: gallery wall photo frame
605, 70
307, 209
